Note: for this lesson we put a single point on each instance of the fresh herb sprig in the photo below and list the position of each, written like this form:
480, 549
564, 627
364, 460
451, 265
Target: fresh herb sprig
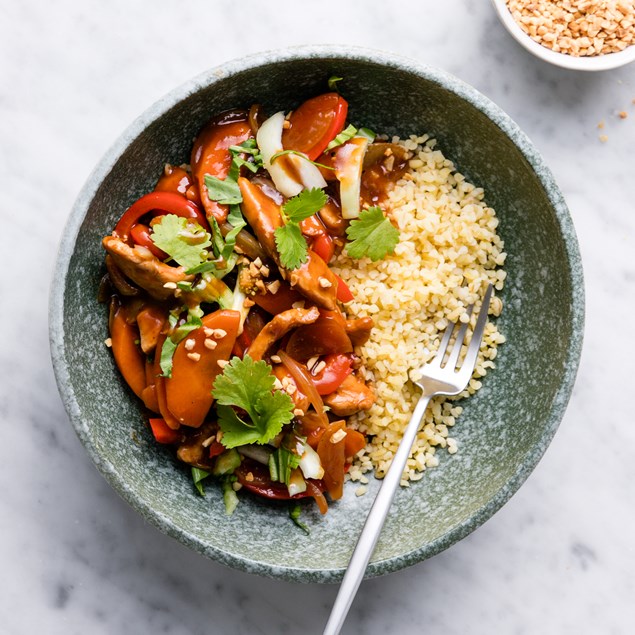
183, 239
291, 244
249, 386
372, 235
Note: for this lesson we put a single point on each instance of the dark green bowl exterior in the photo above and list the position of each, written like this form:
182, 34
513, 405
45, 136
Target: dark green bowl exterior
505, 428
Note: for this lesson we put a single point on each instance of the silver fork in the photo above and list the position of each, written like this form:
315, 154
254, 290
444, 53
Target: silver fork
437, 378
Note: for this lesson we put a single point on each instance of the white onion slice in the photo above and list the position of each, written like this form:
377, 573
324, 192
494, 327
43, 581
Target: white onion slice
297, 484
269, 139
310, 463
348, 170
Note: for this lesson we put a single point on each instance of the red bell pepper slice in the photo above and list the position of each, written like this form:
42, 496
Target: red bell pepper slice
140, 234
344, 294
162, 433
338, 368
324, 248
315, 123
164, 203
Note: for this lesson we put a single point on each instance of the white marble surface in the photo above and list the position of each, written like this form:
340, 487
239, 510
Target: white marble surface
558, 558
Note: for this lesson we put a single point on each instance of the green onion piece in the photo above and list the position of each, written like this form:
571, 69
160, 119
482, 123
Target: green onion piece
368, 133
332, 82
346, 135
300, 154
197, 476
294, 514
230, 498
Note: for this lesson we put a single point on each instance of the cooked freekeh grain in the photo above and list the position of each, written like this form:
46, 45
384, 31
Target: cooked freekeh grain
448, 251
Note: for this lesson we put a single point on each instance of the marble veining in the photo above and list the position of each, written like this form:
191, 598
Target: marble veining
558, 558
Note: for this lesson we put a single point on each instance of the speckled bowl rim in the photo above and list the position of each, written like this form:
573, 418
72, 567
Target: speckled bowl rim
210, 77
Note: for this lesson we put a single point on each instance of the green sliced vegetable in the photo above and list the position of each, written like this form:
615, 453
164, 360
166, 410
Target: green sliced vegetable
230, 498
197, 476
346, 135
226, 463
294, 514
332, 82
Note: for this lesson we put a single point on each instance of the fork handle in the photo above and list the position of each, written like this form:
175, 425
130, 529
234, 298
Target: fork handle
374, 523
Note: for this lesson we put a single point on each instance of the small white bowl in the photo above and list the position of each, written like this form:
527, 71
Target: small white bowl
590, 63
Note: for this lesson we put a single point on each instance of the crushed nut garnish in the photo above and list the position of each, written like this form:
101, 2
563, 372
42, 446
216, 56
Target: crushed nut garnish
195, 357
108, 342
318, 368
298, 412
249, 477
338, 436
169, 285
276, 359
298, 305
222, 363
324, 283
189, 344
209, 441
274, 286
210, 344
219, 333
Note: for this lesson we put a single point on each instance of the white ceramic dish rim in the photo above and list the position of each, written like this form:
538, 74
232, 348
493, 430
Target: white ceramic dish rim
595, 63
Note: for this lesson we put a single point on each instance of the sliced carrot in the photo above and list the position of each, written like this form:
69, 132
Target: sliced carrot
128, 356
353, 443
195, 367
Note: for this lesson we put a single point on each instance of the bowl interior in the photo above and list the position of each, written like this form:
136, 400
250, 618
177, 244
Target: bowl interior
505, 427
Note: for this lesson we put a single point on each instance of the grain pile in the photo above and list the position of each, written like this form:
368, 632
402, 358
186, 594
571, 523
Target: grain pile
577, 27
448, 251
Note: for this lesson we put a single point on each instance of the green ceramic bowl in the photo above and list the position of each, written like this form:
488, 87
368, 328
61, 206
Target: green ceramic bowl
505, 428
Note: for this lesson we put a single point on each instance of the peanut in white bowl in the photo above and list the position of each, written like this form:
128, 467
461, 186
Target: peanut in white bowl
589, 63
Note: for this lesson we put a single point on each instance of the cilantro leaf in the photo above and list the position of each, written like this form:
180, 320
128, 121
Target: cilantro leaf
291, 246
181, 238
225, 192
372, 235
305, 204
249, 385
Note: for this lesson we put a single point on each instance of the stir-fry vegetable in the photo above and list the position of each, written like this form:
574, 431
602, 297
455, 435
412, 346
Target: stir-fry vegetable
226, 319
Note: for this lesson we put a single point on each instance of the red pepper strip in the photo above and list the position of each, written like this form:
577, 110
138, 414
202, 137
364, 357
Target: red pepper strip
323, 247
343, 292
140, 234
215, 449
162, 433
338, 368
166, 202
315, 123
